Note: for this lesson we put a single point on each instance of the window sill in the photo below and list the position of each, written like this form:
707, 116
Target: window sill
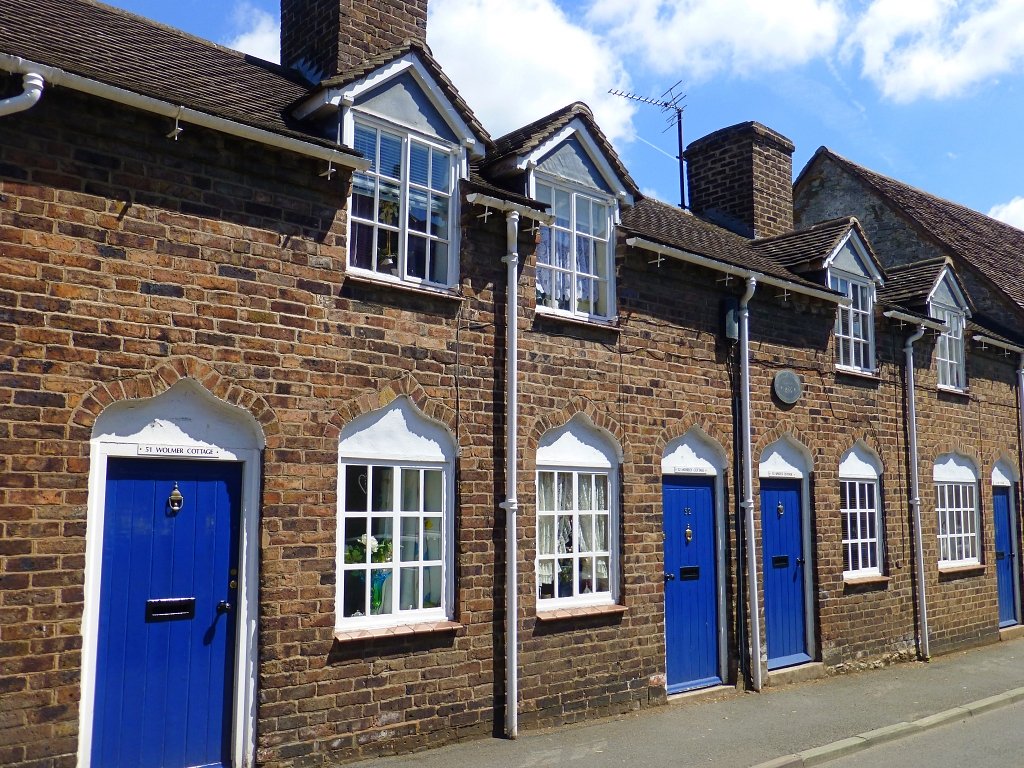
961, 571
401, 630
589, 322
965, 392
870, 375
367, 278
874, 581
559, 614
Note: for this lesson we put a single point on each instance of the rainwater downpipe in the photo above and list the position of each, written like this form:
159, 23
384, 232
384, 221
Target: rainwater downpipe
915, 492
748, 486
511, 505
32, 84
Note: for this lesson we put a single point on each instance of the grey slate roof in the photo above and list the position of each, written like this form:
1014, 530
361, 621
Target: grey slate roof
668, 225
426, 57
994, 248
810, 247
910, 284
121, 49
529, 137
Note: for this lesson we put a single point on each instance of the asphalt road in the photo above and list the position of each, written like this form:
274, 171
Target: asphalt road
992, 739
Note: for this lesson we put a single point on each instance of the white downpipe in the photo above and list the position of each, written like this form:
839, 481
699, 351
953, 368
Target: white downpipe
915, 491
59, 77
748, 487
511, 505
33, 85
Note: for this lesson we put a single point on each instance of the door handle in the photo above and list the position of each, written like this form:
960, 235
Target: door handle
670, 577
799, 561
224, 607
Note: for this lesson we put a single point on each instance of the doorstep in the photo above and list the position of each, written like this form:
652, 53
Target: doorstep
1011, 633
812, 670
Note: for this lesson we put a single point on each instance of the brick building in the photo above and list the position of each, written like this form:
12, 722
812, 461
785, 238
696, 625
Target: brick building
334, 427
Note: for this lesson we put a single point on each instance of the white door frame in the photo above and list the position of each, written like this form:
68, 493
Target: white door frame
189, 418
1004, 476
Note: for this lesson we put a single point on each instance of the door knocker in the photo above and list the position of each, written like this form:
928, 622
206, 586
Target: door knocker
689, 531
175, 501
779, 510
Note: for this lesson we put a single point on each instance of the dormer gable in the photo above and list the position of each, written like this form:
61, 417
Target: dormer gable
948, 292
853, 256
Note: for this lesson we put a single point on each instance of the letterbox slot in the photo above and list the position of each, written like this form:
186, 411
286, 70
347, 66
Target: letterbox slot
689, 573
170, 608
780, 561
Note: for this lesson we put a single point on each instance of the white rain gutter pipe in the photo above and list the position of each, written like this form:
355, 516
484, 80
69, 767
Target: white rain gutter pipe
513, 212
33, 85
748, 486
729, 269
60, 77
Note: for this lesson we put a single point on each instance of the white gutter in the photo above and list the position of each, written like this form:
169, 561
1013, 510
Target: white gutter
934, 325
729, 269
988, 340
179, 113
915, 492
748, 486
33, 85
513, 212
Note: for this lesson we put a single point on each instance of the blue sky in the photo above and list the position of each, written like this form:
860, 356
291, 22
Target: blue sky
927, 91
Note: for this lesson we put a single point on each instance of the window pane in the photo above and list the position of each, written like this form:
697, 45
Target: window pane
410, 539
565, 542
354, 590
380, 591
366, 144
586, 494
419, 159
562, 249
390, 156
565, 500
583, 255
382, 489
432, 586
363, 190
439, 170
544, 193
586, 533
600, 258
600, 220
361, 247
380, 540
355, 540
545, 491
565, 578
562, 208
439, 262
546, 535
563, 290
355, 488
410, 597
416, 257
544, 246
583, 215
432, 538
390, 203
432, 490
585, 584
417, 210
410, 490
602, 574
601, 495
546, 578
601, 533
439, 216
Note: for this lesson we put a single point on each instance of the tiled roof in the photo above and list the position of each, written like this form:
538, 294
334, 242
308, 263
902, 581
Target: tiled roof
529, 137
994, 248
676, 228
124, 50
807, 246
909, 285
428, 61
477, 183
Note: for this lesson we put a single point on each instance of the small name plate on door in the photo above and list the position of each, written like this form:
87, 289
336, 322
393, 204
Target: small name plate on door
180, 451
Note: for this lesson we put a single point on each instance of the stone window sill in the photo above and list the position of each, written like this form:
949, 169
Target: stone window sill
560, 614
961, 571
547, 315
364, 278
858, 373
964, 393
875, 581
402, 630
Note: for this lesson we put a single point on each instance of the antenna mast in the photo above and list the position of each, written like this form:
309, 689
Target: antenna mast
670, 102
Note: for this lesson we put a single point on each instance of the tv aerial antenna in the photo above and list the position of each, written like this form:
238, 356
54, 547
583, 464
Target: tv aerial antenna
671, 103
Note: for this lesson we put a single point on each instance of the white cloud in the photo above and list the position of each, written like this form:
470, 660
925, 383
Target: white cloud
695, 39
1012, 212
937, 48
514, 62
258, 32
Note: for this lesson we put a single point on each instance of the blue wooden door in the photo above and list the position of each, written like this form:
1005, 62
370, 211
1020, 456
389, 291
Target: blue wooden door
691, 584
1005, 556
165, 656
784, 573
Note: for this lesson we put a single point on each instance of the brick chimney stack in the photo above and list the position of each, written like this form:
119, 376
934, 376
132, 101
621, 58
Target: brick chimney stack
321, 38
741, 178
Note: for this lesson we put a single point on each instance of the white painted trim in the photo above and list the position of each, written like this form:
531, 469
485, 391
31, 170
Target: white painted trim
954, 468
1003, 474
597, 157
409, 63
716, 460
860, 463
105, 446
852, 237
946, 276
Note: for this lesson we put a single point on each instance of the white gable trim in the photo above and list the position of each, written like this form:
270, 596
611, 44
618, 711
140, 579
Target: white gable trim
695, 453
946, 276
1004, 474
399, 430
784, 459
578, 443
409, 63
578, 128
859, 463
862, 252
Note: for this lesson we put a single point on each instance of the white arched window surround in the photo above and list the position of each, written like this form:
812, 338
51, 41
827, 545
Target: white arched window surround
396, 526
860, 510
577, 516
956, 506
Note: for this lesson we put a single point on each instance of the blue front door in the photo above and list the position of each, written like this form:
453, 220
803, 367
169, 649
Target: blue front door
784, 573
1005, 556
691, 584
165, 655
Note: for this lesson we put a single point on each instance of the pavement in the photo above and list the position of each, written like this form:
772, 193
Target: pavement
801, 724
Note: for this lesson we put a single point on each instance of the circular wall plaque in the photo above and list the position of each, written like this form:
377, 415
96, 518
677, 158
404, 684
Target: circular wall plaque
788, 386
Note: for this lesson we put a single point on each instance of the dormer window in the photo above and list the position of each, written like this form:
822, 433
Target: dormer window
574, 259
402, 206
949, 352
855, 328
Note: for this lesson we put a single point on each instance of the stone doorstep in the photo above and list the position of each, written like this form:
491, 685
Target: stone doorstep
1011, 633
812, 670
